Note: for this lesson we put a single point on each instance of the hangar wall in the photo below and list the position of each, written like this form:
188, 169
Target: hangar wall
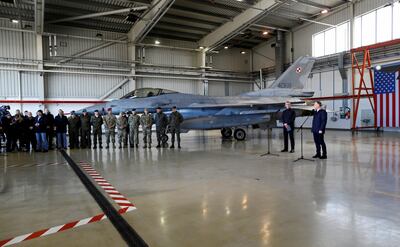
82, 69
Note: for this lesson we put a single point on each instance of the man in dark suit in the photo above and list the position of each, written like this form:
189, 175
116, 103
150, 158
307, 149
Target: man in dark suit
318, 130
288, 118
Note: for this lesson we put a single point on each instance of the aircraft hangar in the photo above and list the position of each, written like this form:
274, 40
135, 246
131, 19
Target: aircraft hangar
170, 123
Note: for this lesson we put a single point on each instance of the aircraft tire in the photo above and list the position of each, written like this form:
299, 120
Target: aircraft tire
239, 134
226, 132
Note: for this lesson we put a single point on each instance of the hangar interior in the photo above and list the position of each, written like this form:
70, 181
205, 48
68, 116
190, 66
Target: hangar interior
72, 54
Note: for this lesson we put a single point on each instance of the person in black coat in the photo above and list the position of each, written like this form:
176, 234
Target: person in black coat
30, 132
60, 126
49, 128
41, 128
8, 129
288, 118
318, 130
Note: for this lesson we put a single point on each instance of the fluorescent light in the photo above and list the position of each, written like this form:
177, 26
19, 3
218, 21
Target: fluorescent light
226, 47
265, 33
157, 42
14, 21
324, 11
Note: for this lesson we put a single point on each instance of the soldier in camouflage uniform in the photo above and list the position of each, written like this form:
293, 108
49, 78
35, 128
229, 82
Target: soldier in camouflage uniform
175, 120
134, 122
110, 121
161, 121
122, 125
97, 121
85, 130
73, 130
146, 120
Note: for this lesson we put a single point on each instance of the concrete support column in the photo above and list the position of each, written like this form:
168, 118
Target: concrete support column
279, 53
40, 75
132, 57
201, 61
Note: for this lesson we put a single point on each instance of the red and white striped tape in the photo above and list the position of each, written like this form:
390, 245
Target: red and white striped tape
60, 228
126, 206
117, 197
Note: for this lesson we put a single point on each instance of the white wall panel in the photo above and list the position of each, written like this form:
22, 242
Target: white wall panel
216, 89
171, 57
68, 46
183, 86
17, 45
236, 88
232, 59
30, 85
9, 84
263, 56
61, 85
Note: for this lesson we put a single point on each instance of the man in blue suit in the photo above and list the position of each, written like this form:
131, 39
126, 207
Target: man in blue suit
318, 130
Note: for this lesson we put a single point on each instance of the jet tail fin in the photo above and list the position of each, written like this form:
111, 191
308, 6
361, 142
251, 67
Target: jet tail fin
296, 75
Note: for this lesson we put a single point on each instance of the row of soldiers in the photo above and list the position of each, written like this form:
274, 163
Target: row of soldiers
25, 132
125, 125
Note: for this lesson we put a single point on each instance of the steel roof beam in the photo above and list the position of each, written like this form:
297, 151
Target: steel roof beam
192, 19
201, 12
240, 22
141, 28
312, 4
94, 15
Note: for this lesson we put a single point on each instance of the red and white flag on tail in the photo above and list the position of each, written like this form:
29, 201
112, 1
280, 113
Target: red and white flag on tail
387, 99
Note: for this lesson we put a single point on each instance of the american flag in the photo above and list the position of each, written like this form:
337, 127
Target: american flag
387, 99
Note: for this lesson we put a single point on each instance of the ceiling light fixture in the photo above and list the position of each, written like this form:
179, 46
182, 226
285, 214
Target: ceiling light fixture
324, 11
157, 42
14, 21
243, 52
226, 47
265, 33
201, 47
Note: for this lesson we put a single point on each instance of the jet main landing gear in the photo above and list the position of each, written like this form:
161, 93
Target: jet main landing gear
226, 132
239, 134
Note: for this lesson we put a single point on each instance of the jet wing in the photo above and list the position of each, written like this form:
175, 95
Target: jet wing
247, 102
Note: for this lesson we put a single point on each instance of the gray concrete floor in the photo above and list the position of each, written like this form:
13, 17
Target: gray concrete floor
216, 193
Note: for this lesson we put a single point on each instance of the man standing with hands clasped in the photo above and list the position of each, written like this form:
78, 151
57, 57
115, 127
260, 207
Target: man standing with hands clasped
288, 118
318, 130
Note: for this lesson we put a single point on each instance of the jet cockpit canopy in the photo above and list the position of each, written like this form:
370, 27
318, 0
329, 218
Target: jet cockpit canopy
147, 92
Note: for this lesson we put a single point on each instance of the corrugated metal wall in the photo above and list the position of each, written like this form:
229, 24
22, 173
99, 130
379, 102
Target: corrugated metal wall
183, 86
16, 44
170, 57
9, 83
232, 59
68, 46
216, 89
61, 85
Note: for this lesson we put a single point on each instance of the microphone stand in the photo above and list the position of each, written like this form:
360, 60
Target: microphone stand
269, 137
301, 141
